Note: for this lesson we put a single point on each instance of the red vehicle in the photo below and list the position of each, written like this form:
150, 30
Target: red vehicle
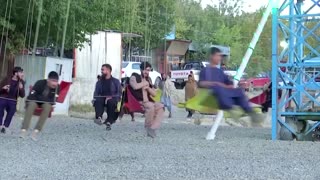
258, 82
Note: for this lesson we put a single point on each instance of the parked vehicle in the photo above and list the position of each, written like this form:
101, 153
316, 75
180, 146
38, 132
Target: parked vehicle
254, 83
244, 83
179, 77
129, 67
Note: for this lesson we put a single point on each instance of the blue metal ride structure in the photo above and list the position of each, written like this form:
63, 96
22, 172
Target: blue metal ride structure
296, 70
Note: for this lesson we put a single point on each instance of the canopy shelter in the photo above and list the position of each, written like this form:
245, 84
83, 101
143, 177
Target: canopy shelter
172, 53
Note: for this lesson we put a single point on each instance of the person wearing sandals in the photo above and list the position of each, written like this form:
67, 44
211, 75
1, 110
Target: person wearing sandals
107, 95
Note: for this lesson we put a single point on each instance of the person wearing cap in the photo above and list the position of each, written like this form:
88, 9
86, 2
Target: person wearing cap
223, 89
142, 89
11, 88
43, 94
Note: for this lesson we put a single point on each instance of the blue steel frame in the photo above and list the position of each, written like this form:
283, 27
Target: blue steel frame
296, 33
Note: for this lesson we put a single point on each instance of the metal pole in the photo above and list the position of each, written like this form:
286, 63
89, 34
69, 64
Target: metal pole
253, 43
274, 68
299, 41
212, 133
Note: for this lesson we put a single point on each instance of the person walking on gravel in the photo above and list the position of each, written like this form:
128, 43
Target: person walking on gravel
12, 87
190, 92
107, 94
167, 88
223, 89
43, 94
143, 90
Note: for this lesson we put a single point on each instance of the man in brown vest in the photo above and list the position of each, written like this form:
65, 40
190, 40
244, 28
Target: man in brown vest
142, 89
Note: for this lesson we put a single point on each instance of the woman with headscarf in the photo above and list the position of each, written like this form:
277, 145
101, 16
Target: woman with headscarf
190, 91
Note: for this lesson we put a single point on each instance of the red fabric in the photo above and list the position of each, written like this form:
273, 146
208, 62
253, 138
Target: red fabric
64, 88
260, 99
133, 104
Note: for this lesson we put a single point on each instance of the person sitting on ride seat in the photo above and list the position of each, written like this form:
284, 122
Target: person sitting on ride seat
12, 88
43, 94
107, 94
142, 89
222, 88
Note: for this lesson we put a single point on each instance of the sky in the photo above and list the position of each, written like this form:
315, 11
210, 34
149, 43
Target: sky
249, 5
253, 5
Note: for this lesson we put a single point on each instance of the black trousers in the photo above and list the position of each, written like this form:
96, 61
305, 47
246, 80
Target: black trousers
266, 106
111, 107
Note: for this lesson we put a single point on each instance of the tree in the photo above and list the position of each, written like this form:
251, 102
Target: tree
85, 17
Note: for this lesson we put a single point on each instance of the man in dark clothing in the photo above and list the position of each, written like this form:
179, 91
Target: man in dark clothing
12, 87
43, 94
223, 89
107, 94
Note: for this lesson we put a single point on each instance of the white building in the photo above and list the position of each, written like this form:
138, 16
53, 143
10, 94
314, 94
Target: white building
105, 47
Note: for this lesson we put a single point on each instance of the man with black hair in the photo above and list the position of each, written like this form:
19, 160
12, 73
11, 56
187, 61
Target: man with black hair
143, 90
223, 89
43, 94
11, 88
107, 94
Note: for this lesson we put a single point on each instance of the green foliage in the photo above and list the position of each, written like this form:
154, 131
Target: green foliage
85, 17
226, 25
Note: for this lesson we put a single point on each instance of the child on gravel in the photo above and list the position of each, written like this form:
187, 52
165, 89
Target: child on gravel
223, 89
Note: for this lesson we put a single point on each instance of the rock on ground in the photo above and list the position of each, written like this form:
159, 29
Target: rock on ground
76, 149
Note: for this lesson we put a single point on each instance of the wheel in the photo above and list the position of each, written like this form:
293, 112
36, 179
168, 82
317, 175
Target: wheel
178, 86
285, 134
157, 82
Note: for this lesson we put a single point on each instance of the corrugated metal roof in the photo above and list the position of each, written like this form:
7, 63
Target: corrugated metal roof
195, 47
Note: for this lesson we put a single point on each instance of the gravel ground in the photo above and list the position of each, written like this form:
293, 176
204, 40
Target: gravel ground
77, 149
